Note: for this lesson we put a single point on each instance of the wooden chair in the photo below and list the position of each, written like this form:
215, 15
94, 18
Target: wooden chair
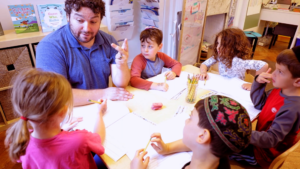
278, 161
285, 30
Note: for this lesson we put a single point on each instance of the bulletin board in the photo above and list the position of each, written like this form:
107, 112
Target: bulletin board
253, 14
193, 21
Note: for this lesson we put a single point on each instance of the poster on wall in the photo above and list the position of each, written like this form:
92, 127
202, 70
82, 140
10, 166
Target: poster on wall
192, 29
23, 18
52, 16
254, 7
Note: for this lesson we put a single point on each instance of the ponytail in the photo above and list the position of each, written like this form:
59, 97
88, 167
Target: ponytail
17, 139
51, 91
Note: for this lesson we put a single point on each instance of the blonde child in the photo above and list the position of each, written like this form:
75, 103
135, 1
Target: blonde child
217, 127
151, 62
43, 100
232, 51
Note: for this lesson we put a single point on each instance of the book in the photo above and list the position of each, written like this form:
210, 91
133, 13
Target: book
52, 16
24, 18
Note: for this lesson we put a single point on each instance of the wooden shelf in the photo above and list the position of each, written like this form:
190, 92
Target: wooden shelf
10, 38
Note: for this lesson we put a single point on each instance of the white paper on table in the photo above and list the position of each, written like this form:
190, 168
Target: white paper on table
229, 86
113, 147
175, 86
170, 130
135, 131
114, 112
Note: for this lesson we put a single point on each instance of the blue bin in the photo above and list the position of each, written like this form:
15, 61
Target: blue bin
297, 42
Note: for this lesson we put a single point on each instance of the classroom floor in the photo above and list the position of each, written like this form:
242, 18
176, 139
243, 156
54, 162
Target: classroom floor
261, 53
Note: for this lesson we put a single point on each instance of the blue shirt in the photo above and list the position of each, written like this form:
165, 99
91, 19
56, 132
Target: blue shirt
84, 68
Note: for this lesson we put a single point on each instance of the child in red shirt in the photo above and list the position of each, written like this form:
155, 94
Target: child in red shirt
151, 62
278, 124
43, 100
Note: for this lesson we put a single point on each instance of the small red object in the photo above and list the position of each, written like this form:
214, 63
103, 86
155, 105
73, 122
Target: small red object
156, 106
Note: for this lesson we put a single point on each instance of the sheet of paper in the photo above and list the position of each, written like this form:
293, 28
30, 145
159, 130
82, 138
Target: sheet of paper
229, 86
170, 130
175, 86
134, 131
113, 148
115, 111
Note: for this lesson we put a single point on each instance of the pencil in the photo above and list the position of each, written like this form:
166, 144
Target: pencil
147, 144
204, 81
165, 79
93, 101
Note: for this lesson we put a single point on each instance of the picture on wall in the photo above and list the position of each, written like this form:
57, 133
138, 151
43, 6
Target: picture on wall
24, 18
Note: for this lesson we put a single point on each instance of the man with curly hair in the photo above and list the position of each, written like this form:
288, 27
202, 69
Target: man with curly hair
85, 55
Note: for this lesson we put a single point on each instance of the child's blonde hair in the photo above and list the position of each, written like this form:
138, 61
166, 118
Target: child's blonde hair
36, 95
234, 43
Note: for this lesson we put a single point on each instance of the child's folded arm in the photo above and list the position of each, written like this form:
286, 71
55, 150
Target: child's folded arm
258, 94
285, 122
255, 65
170, 63
138, 65
140, 83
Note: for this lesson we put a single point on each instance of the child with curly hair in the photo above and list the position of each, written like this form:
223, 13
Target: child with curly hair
232, 51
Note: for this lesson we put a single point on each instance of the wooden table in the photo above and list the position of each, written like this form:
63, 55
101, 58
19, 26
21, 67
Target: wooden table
135, 104
124, 162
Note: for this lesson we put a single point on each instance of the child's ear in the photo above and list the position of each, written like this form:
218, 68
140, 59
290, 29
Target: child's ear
297, 82
68, 17
63, 111
160, 46
204, 137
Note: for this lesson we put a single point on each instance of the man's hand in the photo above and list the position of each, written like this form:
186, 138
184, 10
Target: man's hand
122, 55
115, 93
138, 161
170, 75
264, 77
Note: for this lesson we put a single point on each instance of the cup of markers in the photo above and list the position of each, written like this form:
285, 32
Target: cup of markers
192, 86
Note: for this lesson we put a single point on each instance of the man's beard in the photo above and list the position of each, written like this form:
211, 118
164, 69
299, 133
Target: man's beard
77, 36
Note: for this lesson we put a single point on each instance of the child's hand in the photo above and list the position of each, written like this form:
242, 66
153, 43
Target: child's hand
263, 77
170, 75
203, 76
163, 86
247, 86
161, 147
138, 161
70, 125
102, 107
